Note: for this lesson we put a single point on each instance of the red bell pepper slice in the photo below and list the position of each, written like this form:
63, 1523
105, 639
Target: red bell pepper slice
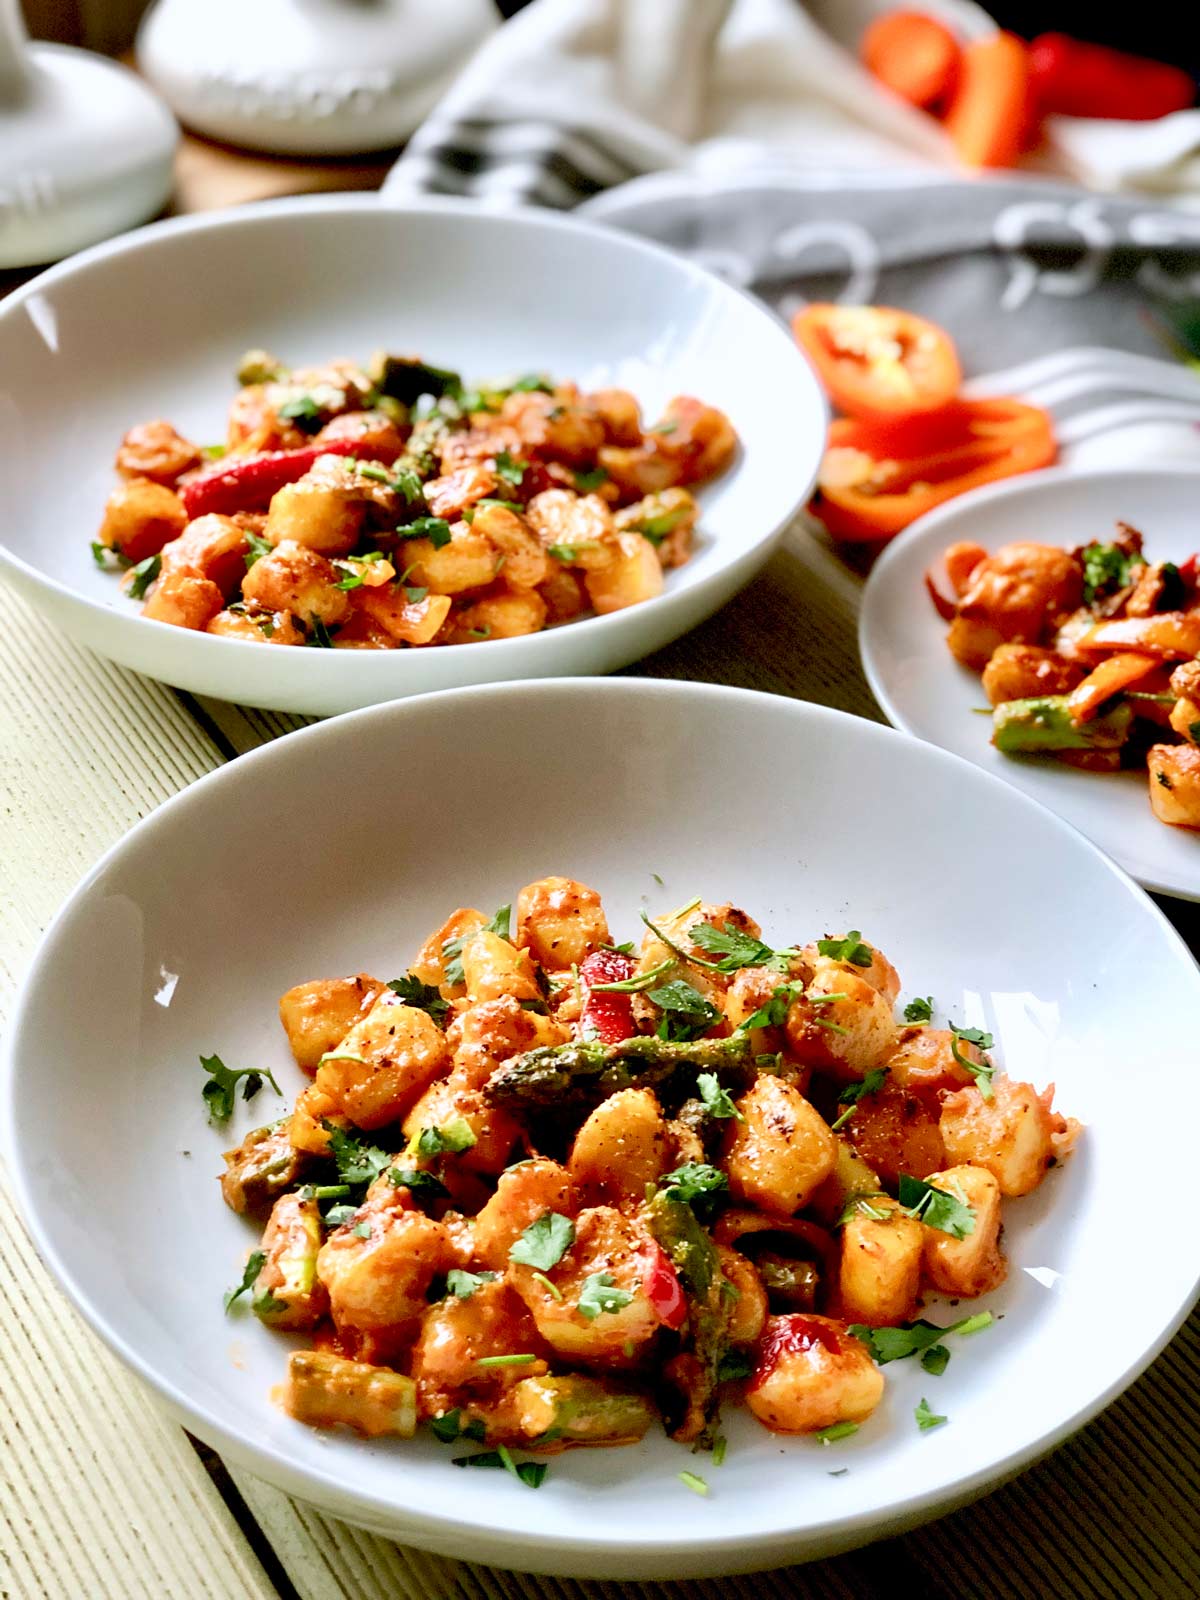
607, 1018
1090, 80
664, 1290
246, 483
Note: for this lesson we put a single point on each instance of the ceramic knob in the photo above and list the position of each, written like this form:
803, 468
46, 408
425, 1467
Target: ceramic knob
85, 147
308, 77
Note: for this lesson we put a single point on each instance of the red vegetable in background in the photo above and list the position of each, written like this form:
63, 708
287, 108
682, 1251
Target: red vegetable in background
990, 112
913, 54
1090, 80
607, 1018
246, 483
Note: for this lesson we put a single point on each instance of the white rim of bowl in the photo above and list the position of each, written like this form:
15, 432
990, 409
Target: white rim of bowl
910, 1508
880, 576
433, 205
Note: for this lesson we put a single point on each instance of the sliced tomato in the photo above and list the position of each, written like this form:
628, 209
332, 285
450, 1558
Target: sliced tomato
877, 362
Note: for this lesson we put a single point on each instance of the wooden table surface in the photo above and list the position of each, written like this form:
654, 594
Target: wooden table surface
103, 1495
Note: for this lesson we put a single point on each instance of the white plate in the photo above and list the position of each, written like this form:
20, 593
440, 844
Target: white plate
153, 324
182, 939
923, 690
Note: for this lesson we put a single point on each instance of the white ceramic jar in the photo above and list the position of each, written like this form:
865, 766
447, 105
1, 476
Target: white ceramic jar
85, 147
308, 77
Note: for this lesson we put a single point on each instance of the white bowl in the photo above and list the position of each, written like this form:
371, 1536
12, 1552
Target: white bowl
183, 937
153, 324
923, 690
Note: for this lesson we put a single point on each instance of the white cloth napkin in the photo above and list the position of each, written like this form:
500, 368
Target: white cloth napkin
572, 96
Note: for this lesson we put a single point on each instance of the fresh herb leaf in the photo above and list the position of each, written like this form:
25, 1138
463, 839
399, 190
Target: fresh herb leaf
510, 468
694, 1180
925, 1417
860, 1205
694, 1482
462, 1285
1106, 569
936, 1359
717, 1101
424, 996
936, 1208
452, 949
569, 552
734, 1364
322, 639
838, 1430
850, 949
599, 1295
531, 1473
919, 1010
362, 1230
589, 482
545, 1242
417, 1182
895, 1344
445, 1428
257, 548
635, 985
524, 1359
219, 1091
304, 410
774, 1013
254, 1265
505, 505
551, 1288
142, 576
356, 1162
688, 1014
338, 1216
737, 949
871, 1083
435, 529
454, 1136
414, 596
983, 1071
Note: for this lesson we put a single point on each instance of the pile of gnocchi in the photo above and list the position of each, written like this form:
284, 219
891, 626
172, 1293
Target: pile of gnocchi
544, 1191
377, 510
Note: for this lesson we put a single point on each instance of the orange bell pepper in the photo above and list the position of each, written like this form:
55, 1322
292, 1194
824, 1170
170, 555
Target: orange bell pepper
877, 362
1116, 672
864, 493
1171, 635
913, 54
990, 111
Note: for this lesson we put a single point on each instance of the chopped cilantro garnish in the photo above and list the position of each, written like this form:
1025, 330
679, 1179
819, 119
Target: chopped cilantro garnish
531, 1473
925, 1417
737, 949
589, 482
449, 1427
687, 1014
936, 1208
850, 949
464, 1284
254, 1265
981, 1071
862, 1205
545, 1242
321, 637
302, 409
1194, 731
257, 548
219, 1091
599, 1295
417, 1182
634, 985
454, 1136
919, 1010
895, 1344
717, 1101
356, 1162
936, 1359
1106, 569
338, 1216
362, 1230
734, 1364
872, 1082
774, 1013
510, 468
414, 596
694, 1180
452, 949
143, 575
424, 996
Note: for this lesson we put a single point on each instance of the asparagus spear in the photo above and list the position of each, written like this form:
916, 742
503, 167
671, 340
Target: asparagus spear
694, 1257
324, 1390
265, 1165
582, 1073
1024, 727
580, 1410
286, 1291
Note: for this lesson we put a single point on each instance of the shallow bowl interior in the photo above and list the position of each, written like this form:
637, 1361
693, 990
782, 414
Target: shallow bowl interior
339, 848
153, 325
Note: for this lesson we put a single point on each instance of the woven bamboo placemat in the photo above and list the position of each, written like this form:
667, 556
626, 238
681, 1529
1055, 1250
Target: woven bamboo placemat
101, 1494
